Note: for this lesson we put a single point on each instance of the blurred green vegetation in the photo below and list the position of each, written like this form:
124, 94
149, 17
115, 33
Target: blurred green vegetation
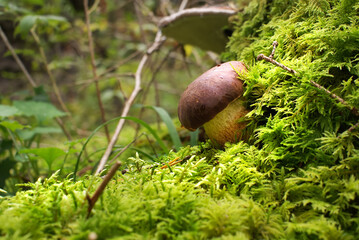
297, 176
121, 33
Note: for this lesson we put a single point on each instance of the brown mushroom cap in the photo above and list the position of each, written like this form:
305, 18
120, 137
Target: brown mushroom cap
209, 94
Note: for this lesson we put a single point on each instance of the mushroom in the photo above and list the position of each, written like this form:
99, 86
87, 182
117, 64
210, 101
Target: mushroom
215, 101
205, 27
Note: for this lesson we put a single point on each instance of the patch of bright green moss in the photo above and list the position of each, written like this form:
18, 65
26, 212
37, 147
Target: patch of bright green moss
297, 177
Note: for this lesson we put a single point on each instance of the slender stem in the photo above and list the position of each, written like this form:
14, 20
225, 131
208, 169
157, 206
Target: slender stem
157, 43
275, 44
51, 76
28, 76
63, 128
317, 85
352, 128
92, 200
183, 5
271, 60
94, 69
17, 59
147, 88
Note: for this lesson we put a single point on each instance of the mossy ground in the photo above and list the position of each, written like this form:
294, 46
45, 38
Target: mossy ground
296, 178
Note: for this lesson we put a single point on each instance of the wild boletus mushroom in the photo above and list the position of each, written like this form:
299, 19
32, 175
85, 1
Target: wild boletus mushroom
215, 101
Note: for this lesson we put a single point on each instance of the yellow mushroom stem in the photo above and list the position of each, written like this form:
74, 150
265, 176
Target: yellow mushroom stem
226, 125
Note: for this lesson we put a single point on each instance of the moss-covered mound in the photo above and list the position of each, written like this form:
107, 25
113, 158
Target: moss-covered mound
296, 178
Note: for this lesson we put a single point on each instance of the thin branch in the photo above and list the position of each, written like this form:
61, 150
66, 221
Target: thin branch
29, 78
17, 59
153, 79
183, 5
156, 45
93, 67
92, 200
317, 85
87, 82
275, 44
63, 128
51, 76
271, 60
139, 16
352, 128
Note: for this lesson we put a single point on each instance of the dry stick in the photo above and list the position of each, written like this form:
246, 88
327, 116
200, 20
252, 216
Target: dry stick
271, 60
275, 44
54, 85
136, 5
51, 76
111, 69
17, 59
29, 78
317, 85
352, 128
147, 88
157, 43
183, 5
92, 200
93, 67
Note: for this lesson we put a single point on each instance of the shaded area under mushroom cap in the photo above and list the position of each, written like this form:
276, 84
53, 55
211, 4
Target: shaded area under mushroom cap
209, 94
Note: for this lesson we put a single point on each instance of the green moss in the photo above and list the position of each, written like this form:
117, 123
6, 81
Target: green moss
297, 177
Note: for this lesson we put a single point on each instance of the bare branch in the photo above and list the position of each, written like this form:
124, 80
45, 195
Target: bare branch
275, 44
317, 85
92, 200
29, 78
49, 72
271, 60
156, 45
17, 59
183, 5
93, 67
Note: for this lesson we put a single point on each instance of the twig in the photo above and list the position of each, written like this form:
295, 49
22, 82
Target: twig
183, 5
17, 59
147, 88
352, 128
317, 85
139, 16
87, 82
51, 76
275, 44
157, 43
29, 78
92, 200
271, 60
125, 148
63, 128
93, 67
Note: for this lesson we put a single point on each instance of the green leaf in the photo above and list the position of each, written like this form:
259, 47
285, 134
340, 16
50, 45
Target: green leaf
49, 154
28, 134
25, 24
170, 126
13, 125
41, 110
8, 111
29, 21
